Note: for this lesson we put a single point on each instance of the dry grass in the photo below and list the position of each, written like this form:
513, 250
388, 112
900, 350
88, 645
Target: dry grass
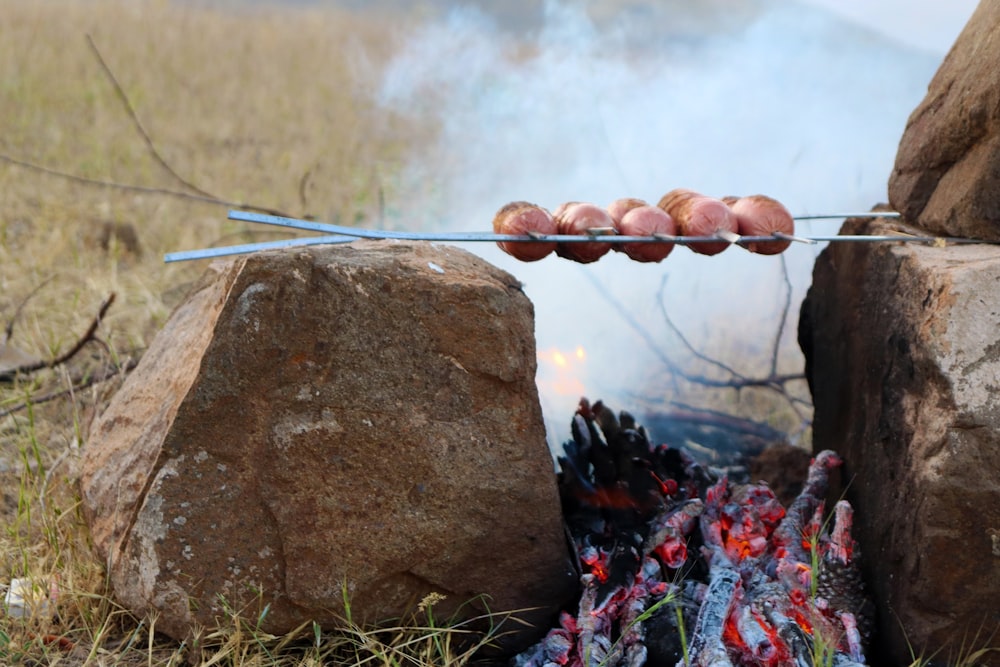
278, 112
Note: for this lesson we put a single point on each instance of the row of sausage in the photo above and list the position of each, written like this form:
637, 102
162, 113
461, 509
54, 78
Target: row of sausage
680, 212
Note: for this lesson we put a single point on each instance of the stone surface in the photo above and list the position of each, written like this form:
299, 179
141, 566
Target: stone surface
947, 172
903, 352
362, 415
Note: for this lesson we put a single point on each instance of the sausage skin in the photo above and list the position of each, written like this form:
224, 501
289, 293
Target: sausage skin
619, 207
698, 215
760, 215
521, 217
577, 218
646, 221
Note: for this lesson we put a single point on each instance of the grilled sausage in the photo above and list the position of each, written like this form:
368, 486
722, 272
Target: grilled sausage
577, 218
759, 215
619, 207
698, 215
646, 221
521, 217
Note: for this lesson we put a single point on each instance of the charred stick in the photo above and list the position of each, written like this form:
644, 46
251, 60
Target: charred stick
594, 640
707, 648
790, 531
852, 636
841, 545
793, 635
668, 533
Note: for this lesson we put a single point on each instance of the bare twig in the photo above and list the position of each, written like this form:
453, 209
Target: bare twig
120, 92
195, 193
737, 381
784, 317
87, 337
304, 187
683, 339
106, 374
716, 418
165, 192
9, 328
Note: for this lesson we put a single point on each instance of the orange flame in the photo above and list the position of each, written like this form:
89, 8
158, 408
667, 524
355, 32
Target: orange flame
562, 373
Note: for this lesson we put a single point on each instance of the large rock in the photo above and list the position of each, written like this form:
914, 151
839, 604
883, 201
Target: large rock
362, 416
903, 351
947, 172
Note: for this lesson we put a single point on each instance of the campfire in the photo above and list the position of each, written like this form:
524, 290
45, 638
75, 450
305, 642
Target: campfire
680, 566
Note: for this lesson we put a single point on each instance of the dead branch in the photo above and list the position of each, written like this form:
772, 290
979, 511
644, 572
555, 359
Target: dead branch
737, 380
661, 300
127, 104
722, 420
776, 346
9, 328
88, 336
144, 189
96, 378
194, 193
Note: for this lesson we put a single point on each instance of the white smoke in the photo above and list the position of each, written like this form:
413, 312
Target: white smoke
794, 103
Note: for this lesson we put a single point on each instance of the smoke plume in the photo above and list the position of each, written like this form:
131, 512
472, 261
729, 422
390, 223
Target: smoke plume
785, 100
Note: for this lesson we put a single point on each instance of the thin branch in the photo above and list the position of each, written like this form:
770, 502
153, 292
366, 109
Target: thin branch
196, 194
87, 337
165, 192
784, 316
120, 92
738, 381
718, 419
304, 187
107, 374
640, 330
9, 329
660, 298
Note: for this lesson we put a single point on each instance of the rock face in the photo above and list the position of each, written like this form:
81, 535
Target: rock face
360, 416
947, 172
903, 352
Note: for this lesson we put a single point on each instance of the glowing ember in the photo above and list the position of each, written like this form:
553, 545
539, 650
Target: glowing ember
748, 583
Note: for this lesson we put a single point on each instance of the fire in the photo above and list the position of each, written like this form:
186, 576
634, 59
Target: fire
597, 561
562, 373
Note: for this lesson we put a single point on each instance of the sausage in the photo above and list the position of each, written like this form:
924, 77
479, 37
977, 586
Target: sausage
619, 207
698, 215
760, 215
646, 221
577, 218
521, 217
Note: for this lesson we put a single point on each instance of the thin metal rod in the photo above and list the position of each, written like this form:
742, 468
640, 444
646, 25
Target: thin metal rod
794, 239
838, 216
342, 234
223, 251
309, 225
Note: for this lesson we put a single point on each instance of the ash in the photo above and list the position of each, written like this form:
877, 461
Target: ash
680, 566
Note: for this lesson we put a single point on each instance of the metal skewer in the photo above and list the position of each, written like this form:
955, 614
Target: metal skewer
342, 234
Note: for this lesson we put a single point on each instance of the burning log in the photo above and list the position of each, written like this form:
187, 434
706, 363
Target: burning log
771, 587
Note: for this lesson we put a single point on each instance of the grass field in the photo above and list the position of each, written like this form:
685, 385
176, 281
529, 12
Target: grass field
247, 108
